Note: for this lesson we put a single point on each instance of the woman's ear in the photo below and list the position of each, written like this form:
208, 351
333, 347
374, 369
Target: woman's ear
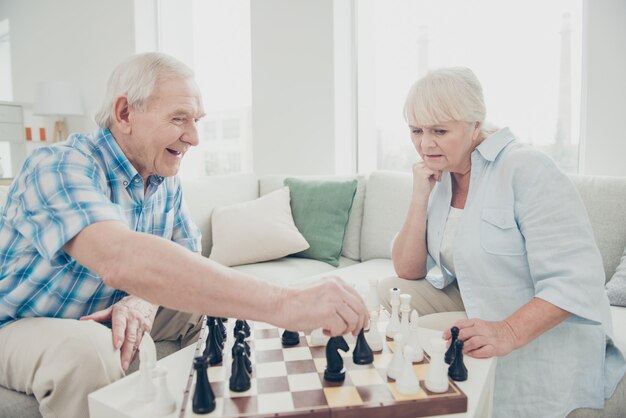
121, 111
476, 133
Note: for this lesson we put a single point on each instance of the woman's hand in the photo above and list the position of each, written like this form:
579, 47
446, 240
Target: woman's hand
483, 339
424, 180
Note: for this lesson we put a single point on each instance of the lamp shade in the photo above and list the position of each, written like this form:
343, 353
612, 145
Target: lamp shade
60, 98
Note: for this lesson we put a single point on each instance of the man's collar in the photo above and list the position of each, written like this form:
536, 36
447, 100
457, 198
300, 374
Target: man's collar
494, 143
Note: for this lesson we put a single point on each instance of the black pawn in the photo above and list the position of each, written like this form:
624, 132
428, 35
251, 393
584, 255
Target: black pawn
457, 370
454, 331
362, 353
290, 338
203, 397
335, 372
239, 377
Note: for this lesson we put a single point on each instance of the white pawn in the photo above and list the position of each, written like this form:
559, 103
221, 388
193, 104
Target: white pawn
437, 377
318, 337
413, 340
405, 311
397, 361
372, 302
164, 403
147, 361
373, 337
394, 322
407, 383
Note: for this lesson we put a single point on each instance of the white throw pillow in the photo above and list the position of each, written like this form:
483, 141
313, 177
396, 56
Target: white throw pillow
616, 287
254, 231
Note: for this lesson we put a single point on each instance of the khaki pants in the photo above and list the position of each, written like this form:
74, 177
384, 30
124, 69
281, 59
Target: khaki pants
425, 298
61, 361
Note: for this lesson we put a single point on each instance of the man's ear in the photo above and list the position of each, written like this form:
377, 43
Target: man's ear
121, 111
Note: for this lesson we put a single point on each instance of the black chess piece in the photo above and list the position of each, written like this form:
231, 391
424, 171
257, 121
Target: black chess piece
221, 327
241, 325
203, 397
290, 338
246, 352
335, 372
457, 370
214, 346
454, 331
362, 353
240, 337
239, 377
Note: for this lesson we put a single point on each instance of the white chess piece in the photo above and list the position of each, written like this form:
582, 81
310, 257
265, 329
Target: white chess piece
373, 337
393, 326
318, 337
437, 377
413, 339
164, 403
407, 383
405, 311
397, 361
147, 362
372, 302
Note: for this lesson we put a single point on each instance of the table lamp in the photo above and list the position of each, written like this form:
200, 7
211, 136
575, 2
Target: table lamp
58, 98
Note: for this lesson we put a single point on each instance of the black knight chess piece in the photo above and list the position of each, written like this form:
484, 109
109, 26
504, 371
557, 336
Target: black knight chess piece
335, 372
214, 345
239, 377
221, 327
449, 356
457, 370
240, 324
203, 397
240, 337
290, 338
362, 353
246, 350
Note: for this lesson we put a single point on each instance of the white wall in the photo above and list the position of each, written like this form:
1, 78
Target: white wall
604, 85
74, 40
292, 86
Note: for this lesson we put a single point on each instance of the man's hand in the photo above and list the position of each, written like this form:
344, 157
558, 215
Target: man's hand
483, 339
330, 304
130, 318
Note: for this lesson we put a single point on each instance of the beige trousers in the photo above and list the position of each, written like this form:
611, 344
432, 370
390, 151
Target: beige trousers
425, 298
61, 361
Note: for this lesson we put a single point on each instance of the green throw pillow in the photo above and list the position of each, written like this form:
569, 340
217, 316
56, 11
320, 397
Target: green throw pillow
320, 211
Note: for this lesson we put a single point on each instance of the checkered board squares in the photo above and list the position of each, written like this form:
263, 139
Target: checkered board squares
289, 381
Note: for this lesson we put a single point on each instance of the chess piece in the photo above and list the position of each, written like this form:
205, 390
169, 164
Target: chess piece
397, 361
405, 311
221, 327
239, 377
203, 397
362, 353
246, 350
407, 383
335, 372
214, 347
457, 370
372, 301
240, 324
318, 337
374, 339
393, 326
454, 332
437, 376
413, 340
164, 403
146, 390
240, 337
290, 338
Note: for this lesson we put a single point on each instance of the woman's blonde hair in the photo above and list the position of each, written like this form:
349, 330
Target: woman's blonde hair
446, 94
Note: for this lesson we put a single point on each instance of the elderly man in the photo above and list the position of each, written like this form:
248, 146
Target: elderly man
96, 232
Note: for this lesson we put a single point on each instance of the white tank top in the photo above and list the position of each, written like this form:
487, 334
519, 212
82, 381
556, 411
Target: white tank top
447, 243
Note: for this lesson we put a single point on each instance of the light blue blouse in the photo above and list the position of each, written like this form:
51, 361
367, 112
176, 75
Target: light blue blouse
525, 233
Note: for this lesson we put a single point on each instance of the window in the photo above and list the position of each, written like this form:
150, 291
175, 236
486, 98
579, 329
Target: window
6, 86
213, 37
527, 56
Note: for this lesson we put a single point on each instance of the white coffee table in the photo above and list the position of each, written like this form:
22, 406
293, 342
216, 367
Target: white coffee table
117, 399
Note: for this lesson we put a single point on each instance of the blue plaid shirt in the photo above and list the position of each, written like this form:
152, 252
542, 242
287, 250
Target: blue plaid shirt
60, 190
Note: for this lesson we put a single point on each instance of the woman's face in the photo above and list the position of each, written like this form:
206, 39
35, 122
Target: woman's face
446, 146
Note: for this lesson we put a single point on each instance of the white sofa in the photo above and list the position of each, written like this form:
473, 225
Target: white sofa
377, 213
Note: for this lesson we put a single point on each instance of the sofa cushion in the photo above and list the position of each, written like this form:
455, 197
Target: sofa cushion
321, 210
254, 231
605, 201
616, 287
352, 237
359, 274
384, 211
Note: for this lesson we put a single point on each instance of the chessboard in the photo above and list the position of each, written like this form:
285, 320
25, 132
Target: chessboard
289, 382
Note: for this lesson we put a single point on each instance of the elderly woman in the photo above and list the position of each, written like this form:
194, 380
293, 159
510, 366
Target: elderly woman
515, 247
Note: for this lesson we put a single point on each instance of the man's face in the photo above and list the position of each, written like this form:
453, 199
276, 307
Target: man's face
163, 132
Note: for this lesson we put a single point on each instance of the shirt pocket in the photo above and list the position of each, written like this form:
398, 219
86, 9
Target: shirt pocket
499, 234
163, 224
